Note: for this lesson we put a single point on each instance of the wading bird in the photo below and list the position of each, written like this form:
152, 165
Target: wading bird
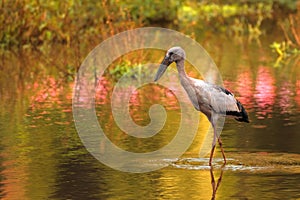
210, 99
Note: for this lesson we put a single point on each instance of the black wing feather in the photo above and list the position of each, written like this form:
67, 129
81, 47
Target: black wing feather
241, 116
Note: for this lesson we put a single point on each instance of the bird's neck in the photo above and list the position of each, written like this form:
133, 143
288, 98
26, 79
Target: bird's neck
181, 71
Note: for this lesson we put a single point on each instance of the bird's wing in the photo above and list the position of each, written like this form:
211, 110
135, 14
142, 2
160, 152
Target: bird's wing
219, 99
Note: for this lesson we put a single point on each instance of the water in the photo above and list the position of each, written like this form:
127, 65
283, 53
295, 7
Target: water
42, 156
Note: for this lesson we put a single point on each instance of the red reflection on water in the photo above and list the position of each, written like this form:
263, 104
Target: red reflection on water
228, 85
244, 89
241, 89
136, 103
297, 97
48, 90
264, 92
103, 91
285, 97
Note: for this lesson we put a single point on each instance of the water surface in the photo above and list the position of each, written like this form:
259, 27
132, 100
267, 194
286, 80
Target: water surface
42, 156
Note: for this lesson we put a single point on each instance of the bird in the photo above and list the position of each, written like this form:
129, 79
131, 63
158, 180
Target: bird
210, 99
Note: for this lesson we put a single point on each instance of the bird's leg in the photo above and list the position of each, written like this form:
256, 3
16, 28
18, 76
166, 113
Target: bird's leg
212, 153
222, 150
213, 145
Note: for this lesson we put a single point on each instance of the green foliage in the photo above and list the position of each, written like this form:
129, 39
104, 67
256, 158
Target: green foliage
34, 22
129, 70
152, 11
284, 50
120, 69
236, 18
290, 4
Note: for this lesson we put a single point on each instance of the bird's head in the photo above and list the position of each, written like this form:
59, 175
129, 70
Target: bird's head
174, 54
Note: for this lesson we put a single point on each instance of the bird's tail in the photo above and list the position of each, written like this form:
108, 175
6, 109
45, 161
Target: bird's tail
243, 113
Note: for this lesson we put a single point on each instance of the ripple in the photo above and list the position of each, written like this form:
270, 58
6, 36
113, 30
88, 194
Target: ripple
241, 162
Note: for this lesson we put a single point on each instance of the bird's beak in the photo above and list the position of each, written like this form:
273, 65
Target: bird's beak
162, 68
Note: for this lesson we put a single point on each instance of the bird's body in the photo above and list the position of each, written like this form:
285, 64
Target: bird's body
210, 99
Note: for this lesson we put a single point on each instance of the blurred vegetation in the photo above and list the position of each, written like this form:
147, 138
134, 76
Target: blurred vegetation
81, 25
237, 18
33, 22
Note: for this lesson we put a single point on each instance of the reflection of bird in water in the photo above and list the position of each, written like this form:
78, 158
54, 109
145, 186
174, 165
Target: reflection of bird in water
210, 99
215, 186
